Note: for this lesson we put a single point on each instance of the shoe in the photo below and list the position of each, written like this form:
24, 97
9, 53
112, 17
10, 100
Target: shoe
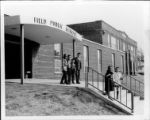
78, 82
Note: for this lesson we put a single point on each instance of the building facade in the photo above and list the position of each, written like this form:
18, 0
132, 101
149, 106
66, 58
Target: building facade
102, 45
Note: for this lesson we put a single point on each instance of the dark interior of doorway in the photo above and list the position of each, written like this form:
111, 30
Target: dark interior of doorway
12, 57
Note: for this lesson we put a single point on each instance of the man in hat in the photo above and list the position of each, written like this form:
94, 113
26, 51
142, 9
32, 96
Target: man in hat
78, 67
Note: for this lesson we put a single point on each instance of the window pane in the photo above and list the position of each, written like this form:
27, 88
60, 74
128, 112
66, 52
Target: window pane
113, 42
57, 48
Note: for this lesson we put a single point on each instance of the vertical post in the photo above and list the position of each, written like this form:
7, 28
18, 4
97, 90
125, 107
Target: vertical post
126, 98
130, 83
22, 51
86, 77
62, 55
128, 62
120, 93
73, 48
132, 102
139, 87
97, 81
92, 77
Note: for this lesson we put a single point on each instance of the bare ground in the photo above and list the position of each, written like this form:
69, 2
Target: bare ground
46, 100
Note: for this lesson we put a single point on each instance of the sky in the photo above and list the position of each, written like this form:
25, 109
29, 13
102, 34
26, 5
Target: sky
129, 17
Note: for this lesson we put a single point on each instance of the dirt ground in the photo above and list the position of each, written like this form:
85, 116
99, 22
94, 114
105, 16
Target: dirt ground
47, 100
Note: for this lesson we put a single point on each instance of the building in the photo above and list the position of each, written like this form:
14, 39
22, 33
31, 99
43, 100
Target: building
116, 48
101, 45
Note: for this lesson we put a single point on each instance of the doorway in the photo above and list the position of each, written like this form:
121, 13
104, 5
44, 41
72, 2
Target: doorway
12, 57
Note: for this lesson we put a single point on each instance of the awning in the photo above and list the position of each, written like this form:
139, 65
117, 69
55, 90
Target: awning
41, 30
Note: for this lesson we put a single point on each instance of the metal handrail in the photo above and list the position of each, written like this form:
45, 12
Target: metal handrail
133, 87
101, 89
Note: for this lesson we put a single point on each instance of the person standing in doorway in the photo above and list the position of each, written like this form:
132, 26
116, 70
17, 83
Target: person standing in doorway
78, 68
69, 68
64, 71
109, 81
117, 77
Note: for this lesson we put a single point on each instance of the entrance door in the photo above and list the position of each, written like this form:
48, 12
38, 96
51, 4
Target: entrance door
12, 60
12, 57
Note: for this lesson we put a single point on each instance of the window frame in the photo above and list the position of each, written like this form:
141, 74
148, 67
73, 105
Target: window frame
99, 60
113, 60
87, 52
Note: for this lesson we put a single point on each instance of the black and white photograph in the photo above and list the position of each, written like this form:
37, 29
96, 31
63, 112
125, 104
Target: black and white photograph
75, 60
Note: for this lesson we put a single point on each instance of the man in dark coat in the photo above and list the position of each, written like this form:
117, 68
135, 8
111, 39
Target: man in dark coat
78, 68
109, 80
73, 69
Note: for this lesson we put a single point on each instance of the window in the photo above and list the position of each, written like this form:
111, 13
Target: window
113, 60
122, 63
109, 42
57, 50
124, 47
113, 42
117, 44
57, 60
128, 47
120, 48
99, 56
132, 48
86, 56
134, 51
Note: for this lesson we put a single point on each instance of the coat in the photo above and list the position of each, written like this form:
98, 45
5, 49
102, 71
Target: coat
78, 64
109, 82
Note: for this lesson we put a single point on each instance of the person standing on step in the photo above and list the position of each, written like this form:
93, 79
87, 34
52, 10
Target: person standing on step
109, 81
64, 71
78, 68
117, 77
69, 75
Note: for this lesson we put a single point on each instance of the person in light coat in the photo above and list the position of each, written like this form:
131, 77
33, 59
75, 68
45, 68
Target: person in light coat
117, 77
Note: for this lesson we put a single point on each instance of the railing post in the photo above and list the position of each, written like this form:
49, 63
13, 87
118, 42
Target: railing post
120, 94
135, 85
86, 77
126, 98
108, 88
97, 81
130, 83
92, 77
126, 80
139, 87
103, 83
132, 102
